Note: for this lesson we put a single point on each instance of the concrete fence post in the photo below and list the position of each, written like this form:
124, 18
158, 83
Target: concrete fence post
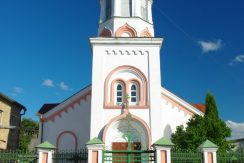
45, 152
95, 148
209, 150
163, 150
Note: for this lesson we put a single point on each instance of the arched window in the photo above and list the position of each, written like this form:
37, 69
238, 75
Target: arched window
133, 94
119, 85
119, 94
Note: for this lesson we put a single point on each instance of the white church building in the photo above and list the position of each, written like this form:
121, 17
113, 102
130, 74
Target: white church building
126, 80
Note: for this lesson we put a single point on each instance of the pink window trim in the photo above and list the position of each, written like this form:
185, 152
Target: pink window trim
143, 89
126, 29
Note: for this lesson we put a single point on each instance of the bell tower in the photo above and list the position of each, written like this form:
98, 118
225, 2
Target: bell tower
126, 61
126, 18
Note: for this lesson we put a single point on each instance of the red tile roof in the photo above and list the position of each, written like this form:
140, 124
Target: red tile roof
200, 107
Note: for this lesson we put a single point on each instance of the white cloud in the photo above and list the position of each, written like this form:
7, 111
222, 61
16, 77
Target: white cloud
237, 129
237, 59
48, 83
17, 91
210, 46
64, 86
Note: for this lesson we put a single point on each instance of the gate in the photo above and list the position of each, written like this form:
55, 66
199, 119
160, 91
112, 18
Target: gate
186, 156
129, 151
71, 156
129, 156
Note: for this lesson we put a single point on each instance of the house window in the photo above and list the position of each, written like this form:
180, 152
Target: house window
144, 14
108, 9
119, 94
134, 94
1, 117
126, 8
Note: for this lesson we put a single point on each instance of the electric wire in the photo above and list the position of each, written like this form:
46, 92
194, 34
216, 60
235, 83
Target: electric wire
176, 25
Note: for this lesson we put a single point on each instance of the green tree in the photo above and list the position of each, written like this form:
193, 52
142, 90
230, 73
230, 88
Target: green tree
28, 130
199, 128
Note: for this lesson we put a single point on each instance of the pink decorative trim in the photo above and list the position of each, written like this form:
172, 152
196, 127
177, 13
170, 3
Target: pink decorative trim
95, 156
126, 29
143, 89
67, 132
145, 33
163, 154
133, 117
106, 32
210, 157
65, 109
173, 102
44, 157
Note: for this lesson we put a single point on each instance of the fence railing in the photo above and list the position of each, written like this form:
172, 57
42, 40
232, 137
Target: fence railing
230, 157
113, 156
72, 156
186, 156
17, 156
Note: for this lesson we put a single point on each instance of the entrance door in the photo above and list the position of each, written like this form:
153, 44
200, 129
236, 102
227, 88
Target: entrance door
123, 157
124, 145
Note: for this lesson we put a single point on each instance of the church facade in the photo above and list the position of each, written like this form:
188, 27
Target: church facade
126, 81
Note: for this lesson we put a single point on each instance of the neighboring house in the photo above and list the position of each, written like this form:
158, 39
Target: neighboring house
126, 63
10, 119
239, 143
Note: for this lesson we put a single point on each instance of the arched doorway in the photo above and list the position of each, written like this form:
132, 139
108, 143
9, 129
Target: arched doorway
115, 134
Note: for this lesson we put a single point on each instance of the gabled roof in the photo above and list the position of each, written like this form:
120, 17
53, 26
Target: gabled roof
164, 142
47, 107
10, 100
182, 102
208, 144
94, 141
46, 145
50, 111
236, 140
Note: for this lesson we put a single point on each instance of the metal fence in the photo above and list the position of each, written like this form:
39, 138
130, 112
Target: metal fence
71, 156
230, 157
186, 156
17, 156
129, 156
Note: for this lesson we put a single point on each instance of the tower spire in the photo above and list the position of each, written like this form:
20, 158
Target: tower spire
126, 18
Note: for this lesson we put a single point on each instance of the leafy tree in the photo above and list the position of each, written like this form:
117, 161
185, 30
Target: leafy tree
28, 129
199, 128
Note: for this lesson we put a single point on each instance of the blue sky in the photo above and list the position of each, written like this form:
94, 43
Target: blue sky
45, 54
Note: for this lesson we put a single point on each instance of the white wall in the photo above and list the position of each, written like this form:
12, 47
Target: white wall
77, 120
107, 57
172, 116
